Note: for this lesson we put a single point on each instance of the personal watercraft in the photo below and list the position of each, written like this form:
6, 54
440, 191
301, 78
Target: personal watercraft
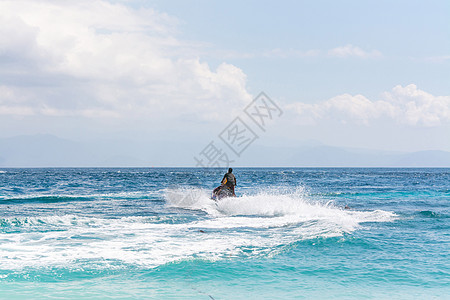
222, 191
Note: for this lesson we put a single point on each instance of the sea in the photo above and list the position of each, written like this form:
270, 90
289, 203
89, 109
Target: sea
291, 233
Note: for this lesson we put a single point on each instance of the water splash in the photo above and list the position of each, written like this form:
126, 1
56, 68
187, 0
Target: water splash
250, 225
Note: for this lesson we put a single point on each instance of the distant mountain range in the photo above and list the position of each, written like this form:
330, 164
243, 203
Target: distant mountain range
51, 151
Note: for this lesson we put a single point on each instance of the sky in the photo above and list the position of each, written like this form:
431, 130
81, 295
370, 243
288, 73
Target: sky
356, 74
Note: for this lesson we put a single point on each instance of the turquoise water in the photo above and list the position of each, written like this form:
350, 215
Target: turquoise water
154, 233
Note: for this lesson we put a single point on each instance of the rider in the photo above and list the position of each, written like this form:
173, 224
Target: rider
229, 180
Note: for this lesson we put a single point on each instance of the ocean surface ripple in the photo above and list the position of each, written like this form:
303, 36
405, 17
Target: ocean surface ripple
291, 233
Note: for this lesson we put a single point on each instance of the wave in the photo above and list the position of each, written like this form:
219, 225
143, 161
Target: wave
255, 225
273, 203
431, 214
36, 198
43, 199
65, 221
288, 215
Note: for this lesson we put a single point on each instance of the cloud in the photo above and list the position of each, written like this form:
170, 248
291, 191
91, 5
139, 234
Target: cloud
96, 58
353, 51
438, 59
406, 105
276, 53
289, 53
279, 53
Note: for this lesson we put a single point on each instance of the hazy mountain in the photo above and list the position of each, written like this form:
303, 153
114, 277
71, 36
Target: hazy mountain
51, 151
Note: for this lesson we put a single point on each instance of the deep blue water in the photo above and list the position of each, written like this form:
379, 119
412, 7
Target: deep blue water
136, 233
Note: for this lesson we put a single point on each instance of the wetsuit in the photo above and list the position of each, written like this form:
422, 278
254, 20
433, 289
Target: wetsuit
230, 181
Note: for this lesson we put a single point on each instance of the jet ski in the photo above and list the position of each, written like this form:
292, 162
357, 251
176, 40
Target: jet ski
222, 191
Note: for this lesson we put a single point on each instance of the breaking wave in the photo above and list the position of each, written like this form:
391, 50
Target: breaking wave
250, 225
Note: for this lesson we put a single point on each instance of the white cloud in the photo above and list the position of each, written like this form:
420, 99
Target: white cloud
290, 53
272, 53
279, 53
94, 58
438, 59
353, 51
407, 105
12, 103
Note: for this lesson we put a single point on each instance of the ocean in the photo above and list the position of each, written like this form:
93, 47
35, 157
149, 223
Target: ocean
292, 233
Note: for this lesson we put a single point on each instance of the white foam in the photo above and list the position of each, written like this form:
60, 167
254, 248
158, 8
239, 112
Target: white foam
190, 198
230, 227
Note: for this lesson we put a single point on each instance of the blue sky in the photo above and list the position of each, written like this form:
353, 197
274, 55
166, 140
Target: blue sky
364, 74
408, 35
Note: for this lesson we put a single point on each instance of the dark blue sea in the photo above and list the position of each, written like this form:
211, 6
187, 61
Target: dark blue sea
154, 233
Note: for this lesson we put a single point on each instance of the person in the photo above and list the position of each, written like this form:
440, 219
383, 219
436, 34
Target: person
230, 180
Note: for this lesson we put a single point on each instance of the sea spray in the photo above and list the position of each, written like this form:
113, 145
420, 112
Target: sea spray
130, 234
